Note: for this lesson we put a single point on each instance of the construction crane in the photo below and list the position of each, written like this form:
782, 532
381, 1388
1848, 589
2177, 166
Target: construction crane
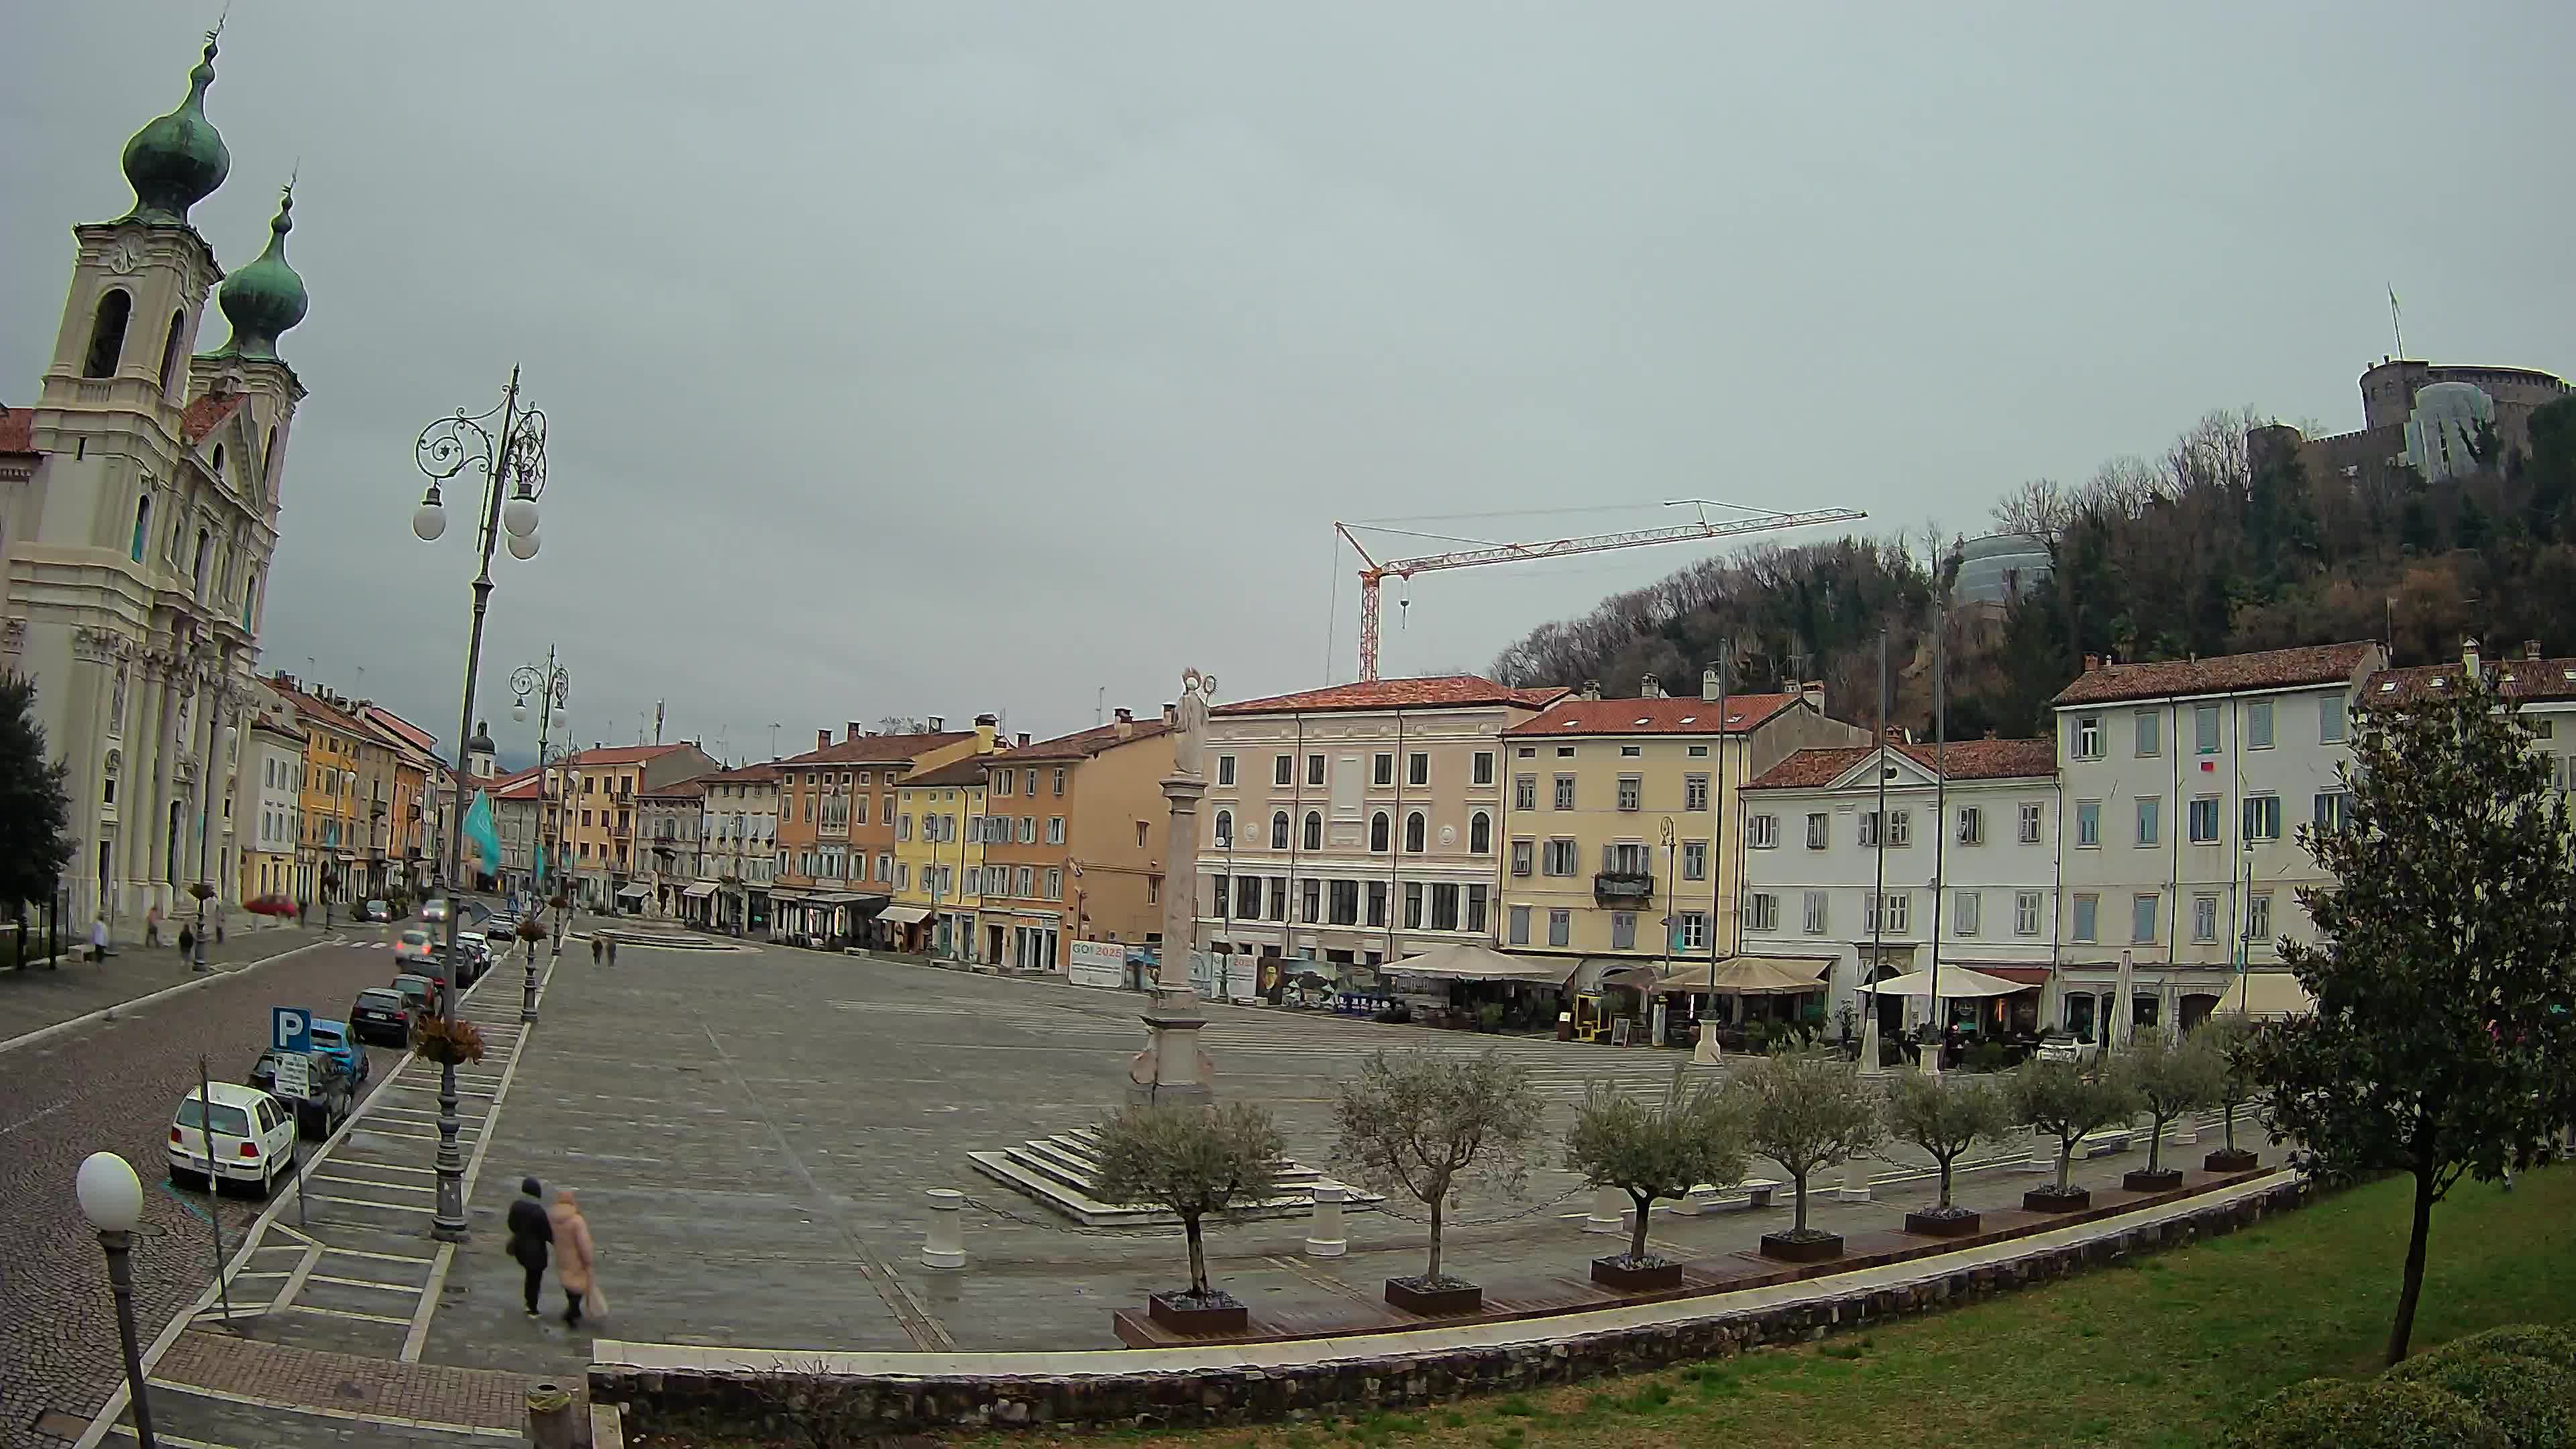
1376, 573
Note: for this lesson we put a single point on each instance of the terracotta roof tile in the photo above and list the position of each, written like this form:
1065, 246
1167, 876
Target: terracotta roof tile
207, 413
1443, 691
2227, 673
876, 749
1963, 760
1653, 716
677, 790
623, 754
759, 774
1083, 744
2515, 679
17, 430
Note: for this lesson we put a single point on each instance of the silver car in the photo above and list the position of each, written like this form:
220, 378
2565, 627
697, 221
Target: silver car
2060, 1045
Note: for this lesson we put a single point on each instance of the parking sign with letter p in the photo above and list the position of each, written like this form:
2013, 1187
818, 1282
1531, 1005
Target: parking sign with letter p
290, 1029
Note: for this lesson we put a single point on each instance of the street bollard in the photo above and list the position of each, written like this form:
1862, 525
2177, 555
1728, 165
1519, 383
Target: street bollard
944, 1246
2186, 1131
1855, 1186
1609, 1207
1324, 1237
550, 1422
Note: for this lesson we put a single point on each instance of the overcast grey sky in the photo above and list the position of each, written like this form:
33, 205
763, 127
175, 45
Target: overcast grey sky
945, 357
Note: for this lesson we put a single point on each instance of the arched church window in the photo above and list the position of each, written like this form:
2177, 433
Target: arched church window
107, 333
219, 462
142, 518
170, 351
205, 554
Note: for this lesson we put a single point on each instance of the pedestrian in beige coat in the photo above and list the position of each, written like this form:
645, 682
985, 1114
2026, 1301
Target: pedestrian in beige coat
575, 1266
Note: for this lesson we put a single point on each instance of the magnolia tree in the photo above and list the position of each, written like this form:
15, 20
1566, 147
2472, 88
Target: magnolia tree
1808, 1114
2064, 1103
2169, 1080
1194, 1162
1651, 1152
1431, 1126
1945, 1117
2443, 1043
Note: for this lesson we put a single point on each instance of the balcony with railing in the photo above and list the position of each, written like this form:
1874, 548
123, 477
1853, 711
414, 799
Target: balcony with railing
1623, 887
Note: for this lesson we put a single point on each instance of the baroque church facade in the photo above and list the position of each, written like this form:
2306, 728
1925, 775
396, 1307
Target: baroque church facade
138, 516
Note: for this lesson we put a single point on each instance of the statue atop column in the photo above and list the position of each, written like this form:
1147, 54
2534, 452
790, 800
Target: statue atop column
1190, 732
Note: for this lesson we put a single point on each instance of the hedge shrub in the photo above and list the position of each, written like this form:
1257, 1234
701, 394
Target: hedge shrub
2366, 1414
2518, 1340
2528, 1399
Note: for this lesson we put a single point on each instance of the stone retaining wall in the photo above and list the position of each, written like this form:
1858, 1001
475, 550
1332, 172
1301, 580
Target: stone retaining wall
773, 1404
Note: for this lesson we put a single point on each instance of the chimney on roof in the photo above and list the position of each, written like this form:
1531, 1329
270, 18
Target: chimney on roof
1171, 715
986, 728
2530, 648
2468, 656
1125, 724
2092, 663
1021, 739
1990, 734
1709, 688
1896, 734
1649, 687
853, 730
822, 739
1591, 690
938, 723
1813, 692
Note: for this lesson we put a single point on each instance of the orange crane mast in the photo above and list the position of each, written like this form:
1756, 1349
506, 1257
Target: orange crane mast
1375, 573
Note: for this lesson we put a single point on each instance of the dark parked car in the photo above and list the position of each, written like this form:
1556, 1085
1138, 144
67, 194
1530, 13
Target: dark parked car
332, 1097
419, 993
381, 1014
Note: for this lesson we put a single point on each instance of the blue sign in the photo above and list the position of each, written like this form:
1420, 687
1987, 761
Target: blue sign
290, 1029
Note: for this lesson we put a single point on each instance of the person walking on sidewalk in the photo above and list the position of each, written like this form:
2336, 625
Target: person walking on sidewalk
187, 941
594, 948
152, 927
573, 1262
98, 939
532, 1235
612, 950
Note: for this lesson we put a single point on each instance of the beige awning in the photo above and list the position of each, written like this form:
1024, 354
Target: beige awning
1957, 983
1468, 961
702, 888
2267, 994
1734, 976
904, 915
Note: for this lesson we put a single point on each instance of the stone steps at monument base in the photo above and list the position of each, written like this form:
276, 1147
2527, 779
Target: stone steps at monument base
1054, 1184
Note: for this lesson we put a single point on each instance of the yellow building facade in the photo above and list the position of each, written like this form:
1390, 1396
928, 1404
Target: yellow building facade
1621, 822
939, 829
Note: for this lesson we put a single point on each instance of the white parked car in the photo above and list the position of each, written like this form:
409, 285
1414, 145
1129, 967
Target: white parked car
236, 1134
2060, 1045
414, 945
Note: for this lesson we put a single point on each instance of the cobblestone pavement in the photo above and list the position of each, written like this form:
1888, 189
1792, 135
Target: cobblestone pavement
39, 997
113, 1085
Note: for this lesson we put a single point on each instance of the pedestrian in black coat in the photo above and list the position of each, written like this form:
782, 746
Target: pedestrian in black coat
532, 1236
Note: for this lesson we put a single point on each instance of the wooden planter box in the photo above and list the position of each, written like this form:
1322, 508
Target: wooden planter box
2163, 1179
1460, 1298
1802, 1250
2230, 1160
1933, 1225
1611, 1273
2050, 1200
1229, 1318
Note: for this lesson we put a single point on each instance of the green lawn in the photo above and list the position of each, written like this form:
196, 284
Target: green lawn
2163, 1351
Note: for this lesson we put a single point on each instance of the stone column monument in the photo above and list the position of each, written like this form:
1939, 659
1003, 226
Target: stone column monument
1173, 1067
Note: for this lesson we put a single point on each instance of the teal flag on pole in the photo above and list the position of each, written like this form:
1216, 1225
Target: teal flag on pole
485, 835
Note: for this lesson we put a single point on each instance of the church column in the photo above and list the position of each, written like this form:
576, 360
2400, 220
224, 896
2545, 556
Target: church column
150, 774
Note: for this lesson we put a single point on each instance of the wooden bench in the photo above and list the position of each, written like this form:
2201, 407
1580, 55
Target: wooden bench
1756, 1191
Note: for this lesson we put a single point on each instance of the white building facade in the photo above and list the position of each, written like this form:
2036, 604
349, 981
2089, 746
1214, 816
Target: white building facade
738, 858
1292, 860
1960, 869
269, 814
138, 513
2184, 783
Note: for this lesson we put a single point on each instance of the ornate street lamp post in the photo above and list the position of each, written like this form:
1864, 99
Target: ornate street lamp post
111, 1197
552, 687
512, 462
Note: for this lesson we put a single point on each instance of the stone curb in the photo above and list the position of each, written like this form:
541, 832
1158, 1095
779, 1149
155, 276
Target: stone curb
106, 1013
756, 1402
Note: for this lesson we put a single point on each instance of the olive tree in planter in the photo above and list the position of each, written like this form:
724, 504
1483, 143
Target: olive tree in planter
1430, 1126
2230, 1037
1808, 1114
1945, 1116
2169, 1079
1652, 1152
2063, 1102
1194, 1162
